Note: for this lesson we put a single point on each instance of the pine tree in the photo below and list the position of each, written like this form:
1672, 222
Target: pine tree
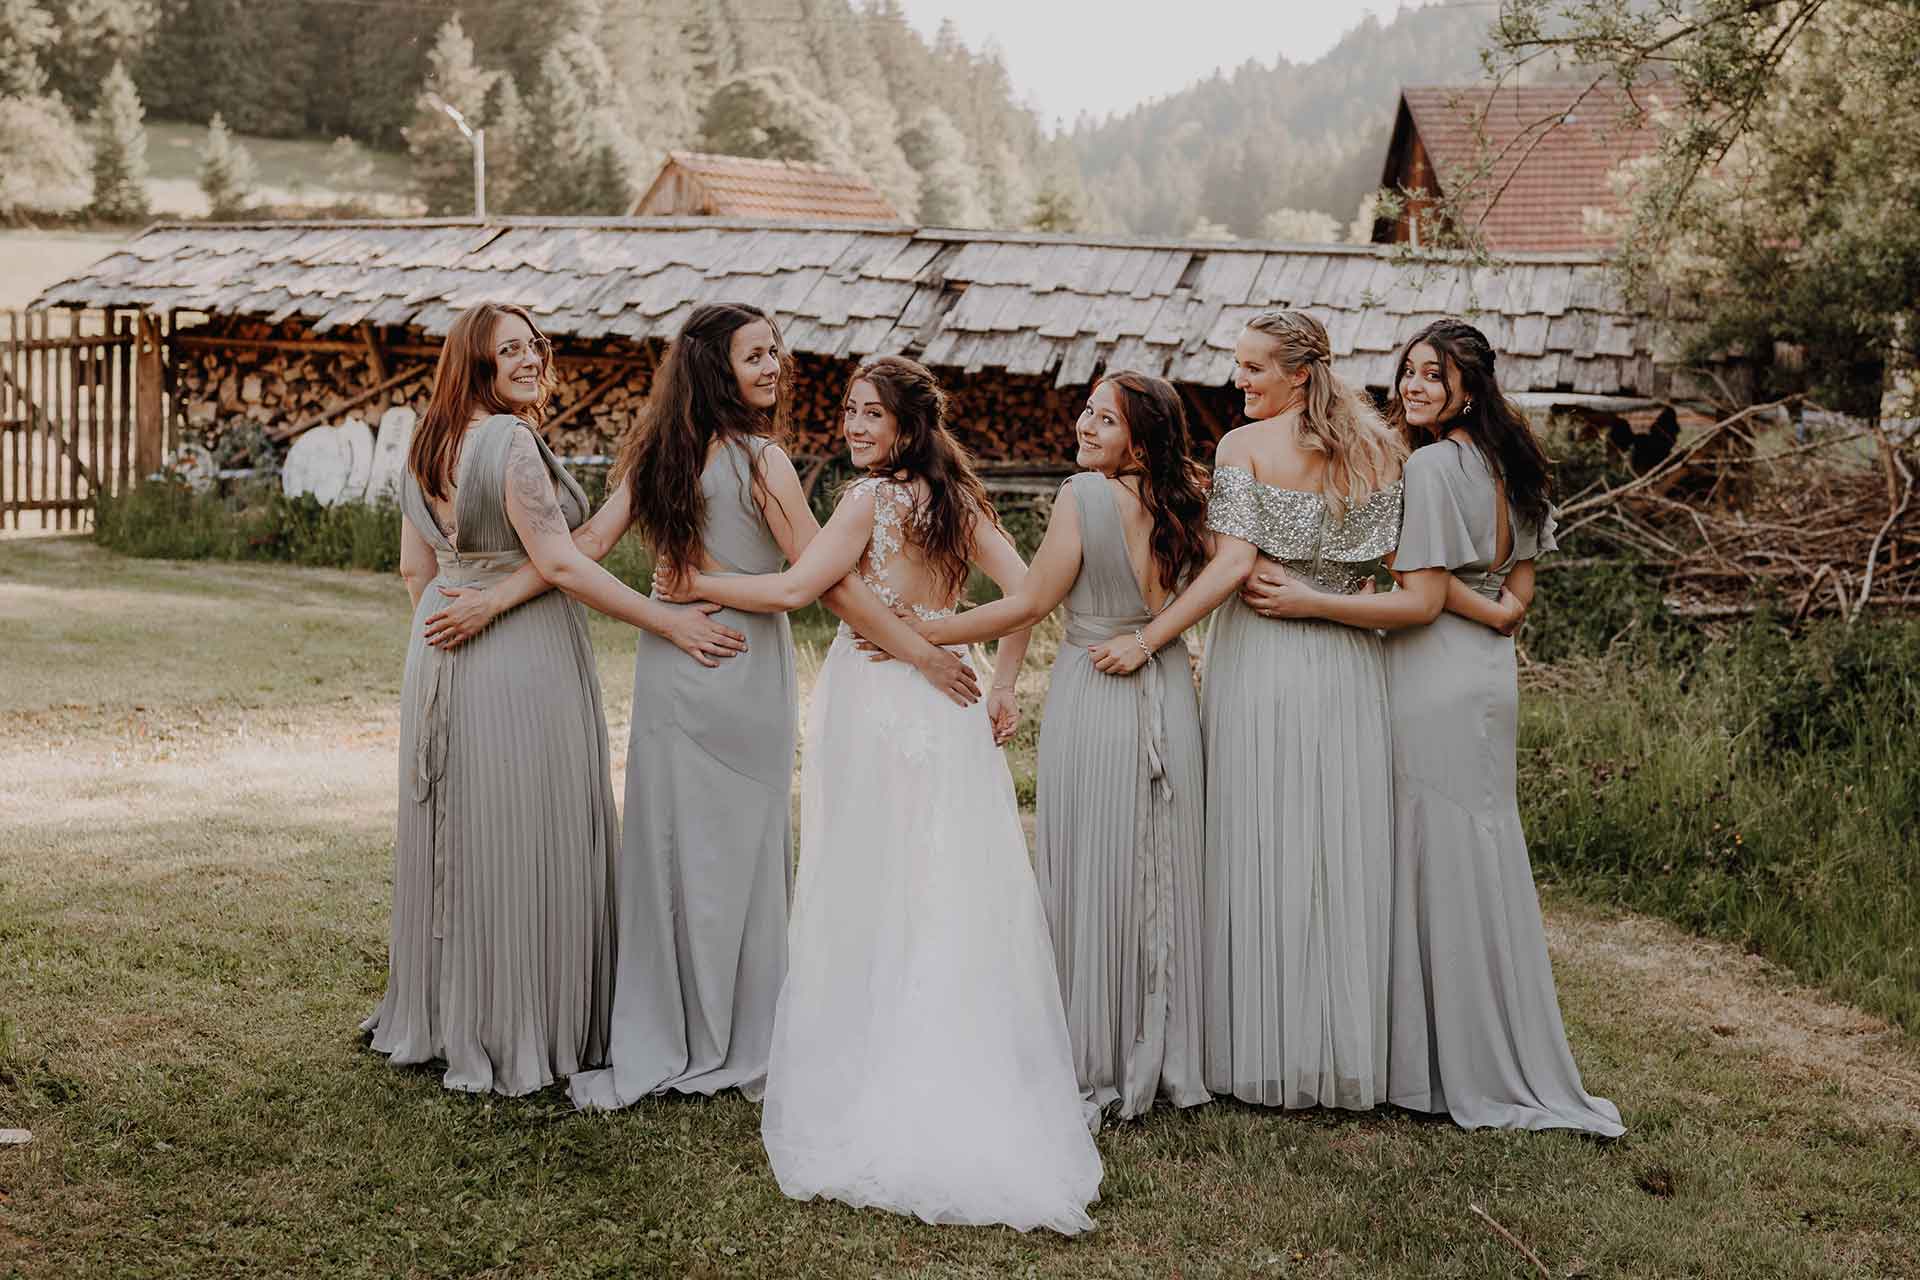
349, 168
508, 136
949, 185
874, 134
766, 113
583, 161
442, 156
26, 30
119, 151
43, 158
226, 171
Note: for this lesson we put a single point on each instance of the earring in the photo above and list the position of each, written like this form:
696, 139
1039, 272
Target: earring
1468, 406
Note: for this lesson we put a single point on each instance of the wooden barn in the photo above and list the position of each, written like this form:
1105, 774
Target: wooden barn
1551, 152
282, 326
696, 184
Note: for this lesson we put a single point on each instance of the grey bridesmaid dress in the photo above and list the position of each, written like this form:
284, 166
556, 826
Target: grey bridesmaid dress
1121, 787
1476, 1021
706, 870
1299, 839
501, 954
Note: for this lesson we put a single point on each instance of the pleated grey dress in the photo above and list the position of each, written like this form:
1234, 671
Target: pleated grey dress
500, 961
1299, 840
707, 869
1476, 1020
1120, 824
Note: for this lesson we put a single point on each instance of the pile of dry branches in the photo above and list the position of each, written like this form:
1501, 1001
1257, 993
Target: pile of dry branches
1736, 519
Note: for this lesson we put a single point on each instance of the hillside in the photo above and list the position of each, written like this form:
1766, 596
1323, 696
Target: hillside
1234, 148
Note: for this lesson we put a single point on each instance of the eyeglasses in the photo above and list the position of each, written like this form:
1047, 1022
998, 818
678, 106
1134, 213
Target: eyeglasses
511, 351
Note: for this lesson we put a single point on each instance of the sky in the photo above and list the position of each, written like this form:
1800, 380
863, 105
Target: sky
1069, 56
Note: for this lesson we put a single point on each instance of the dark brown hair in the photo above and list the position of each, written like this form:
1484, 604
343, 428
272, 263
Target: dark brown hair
925, 448
1172, 484
463, 382
695, 397
1499, 430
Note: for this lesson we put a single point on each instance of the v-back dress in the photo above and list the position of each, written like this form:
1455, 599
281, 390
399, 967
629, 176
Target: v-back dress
920, 1058
1299, 840
706, 865
1476, 1021
501, 954
1120, 824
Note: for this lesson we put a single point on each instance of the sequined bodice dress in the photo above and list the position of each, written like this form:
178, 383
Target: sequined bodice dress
1298, 825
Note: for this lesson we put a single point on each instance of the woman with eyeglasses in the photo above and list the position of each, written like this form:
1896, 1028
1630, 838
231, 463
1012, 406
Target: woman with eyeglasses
500, 959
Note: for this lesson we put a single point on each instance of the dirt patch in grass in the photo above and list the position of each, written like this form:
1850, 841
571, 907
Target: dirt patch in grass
1748, 1006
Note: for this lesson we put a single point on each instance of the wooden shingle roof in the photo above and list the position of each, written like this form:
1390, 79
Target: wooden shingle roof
739, 187
1046, 305
1549, 152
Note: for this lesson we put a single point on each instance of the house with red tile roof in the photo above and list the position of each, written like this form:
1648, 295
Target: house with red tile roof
696, 184
1541, 162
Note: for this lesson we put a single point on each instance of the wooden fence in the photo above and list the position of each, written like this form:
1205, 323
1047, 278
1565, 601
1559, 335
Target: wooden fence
82, 411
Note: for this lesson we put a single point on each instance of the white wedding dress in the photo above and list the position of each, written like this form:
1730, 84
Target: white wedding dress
920, 1056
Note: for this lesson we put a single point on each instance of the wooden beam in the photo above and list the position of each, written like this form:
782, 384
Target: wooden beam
339, 407
378, 361
149, 396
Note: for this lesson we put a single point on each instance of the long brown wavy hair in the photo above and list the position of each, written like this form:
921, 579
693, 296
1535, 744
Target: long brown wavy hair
1363, 454
1172, 484
695, 398
462, 383
926, 449
1499, 430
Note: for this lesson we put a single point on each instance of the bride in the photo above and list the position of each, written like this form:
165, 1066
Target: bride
920, 1057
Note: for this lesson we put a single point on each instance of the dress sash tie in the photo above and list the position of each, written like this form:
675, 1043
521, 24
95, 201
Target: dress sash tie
433, 698
1153, 842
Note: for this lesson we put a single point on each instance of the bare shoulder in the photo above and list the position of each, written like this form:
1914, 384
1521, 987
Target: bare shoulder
1235, 447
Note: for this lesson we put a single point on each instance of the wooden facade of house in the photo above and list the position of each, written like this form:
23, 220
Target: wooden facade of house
285, 325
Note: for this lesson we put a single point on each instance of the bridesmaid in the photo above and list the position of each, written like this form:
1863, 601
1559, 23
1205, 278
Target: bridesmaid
501, 953
1120, 787
1299, 842
1476, 1021
707, 870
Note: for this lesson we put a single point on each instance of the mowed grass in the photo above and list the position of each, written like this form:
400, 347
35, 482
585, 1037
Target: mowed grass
195, 844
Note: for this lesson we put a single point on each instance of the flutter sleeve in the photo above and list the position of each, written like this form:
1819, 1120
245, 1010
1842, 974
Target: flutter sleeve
1531, 541
1434, 530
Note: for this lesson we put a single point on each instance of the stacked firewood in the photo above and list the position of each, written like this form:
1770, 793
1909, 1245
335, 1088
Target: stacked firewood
283, 379
1737, 520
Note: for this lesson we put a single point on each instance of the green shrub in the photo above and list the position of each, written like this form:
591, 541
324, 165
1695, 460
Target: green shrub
167, 519
1768, 791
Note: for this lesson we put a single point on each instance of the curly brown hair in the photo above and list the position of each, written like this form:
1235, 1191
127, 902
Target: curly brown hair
926, 449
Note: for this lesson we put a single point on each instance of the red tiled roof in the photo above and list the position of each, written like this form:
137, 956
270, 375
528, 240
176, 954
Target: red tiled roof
1557, 170
738, 187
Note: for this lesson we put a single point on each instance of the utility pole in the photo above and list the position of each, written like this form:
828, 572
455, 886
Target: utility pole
478, 138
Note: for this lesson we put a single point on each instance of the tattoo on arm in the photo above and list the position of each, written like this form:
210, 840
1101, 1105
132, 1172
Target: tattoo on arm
532, 487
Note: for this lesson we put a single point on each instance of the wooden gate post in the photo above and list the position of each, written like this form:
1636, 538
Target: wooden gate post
149, 394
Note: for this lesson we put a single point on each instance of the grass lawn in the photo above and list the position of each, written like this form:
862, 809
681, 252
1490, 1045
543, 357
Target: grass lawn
286, 169
195, 845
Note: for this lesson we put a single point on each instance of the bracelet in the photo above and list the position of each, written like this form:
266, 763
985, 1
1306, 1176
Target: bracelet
1140, 638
